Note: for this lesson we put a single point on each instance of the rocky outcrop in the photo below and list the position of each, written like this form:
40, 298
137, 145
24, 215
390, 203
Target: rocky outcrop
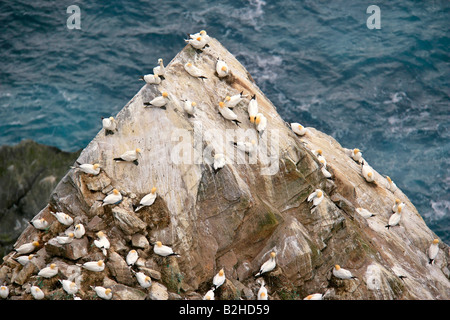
232, 218
29, 172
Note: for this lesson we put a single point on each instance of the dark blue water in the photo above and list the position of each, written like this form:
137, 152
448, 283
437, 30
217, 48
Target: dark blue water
385, 91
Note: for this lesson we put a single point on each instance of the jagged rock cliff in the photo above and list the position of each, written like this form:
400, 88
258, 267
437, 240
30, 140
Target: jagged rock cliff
232, 218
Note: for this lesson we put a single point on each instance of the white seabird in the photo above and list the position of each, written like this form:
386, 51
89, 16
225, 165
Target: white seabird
130, 156
197, 43
252, 108
395, 218
261, 123
364, 213
49, 271
104, 293
27, 247
356, 155
62, 218
262, 292
298, 129
65, 239
222, 68
433, 251
132, 257
37, 293
316, 197
398, 204
227, 113
189, 107
159, 70
4, 292
96, 266
92, 169
314, 296
69, 286
342, 273
147, 200
79, 231
209, 295
247, 147
367, 172
23, 260
391, 185
113, 198
203, 34
193, 70
233, 101
40, 224
325, 172
159, 101
219, 162
163, 250
109, 124
144, 280
267, 266
102, 243
151, 78
219, 279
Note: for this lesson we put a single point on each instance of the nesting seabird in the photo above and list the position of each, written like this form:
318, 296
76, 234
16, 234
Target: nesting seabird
109, 124
79, 231
4, 292
147, 200
37, 293
262, 292
197, 43
245, 146
219, 162
27, 247
159, 70
219, 279
65, 239
193, 70
227, 113
234, 100
356, 154
252, 108
163, 250
130, 156
69, 286
104, 293
92, 169
62, 218
342, 273
151, 78
159, 102
23, 260
132, 257
114, 198
209, 295
144, 280
298, 129
395, 218
261, 123
48, 272
364, 213
316, 197
102, 243
40, 224
314, 296
391, 185
267, 266
96, 266
222, 68
367, 172
433, 251
189, 107
398, 204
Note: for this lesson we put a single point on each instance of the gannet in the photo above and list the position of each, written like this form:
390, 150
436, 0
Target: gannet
252, 108
398, 204
267, 266
130, 156
395, 218
227, 113
102, 243
233, 101
40, 224
247, 147
92, 169
219, 279
49, 271
356, 155
132, 257
219, 162
209, 295
4, 292
391, 185
143, 279
261, 123
159, 70
189, 107
27, 247
433, 251
65, 239
113, 198
325, 172
23, 260
79, 231
316, 197
322, 160
96, 266
37, 293
298, 128
314, 296
341, 273
202, 33
222, 68
69, 286
367, 172
262, 292
160, 101
364, 213
163, 250
197, 43
104, 293
151, 78
147, 200
193, 70
62, 218
109, 124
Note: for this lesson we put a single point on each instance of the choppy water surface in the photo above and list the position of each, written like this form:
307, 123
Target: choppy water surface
385, 91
